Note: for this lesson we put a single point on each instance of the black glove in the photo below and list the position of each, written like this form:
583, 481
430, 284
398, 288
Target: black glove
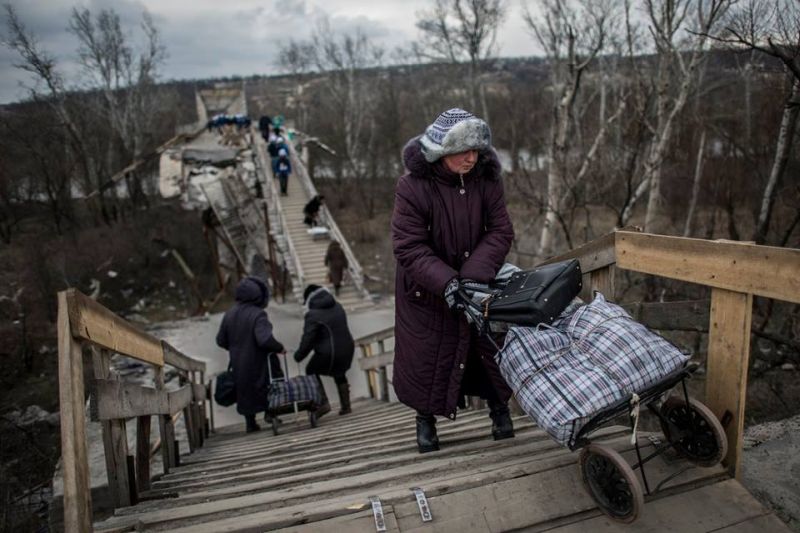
451, 295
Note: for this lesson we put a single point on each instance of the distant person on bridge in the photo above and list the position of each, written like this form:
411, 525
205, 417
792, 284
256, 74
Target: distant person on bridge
311, 210
449, 223
276, 144
325, 331
246, 333
283, 167
336, 261
265, 126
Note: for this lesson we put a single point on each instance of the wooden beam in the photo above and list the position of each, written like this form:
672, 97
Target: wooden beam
741, 267
377, 336
198, 392
376, 361
115, 442
602, 280
91, 321
143, 452
74, 455
728, 356
593, 255
117, 399
166, 430
177, 359
179, 399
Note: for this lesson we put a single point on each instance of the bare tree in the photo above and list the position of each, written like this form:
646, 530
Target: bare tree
771, 27
350, 94
678, 62
43, 67
126, 79
462, 30
572, 34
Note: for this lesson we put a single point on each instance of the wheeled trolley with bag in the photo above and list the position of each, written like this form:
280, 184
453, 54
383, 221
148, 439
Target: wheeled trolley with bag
292, 395
576, 368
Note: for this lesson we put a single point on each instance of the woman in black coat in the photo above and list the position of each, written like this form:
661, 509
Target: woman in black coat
246, 333
325, 332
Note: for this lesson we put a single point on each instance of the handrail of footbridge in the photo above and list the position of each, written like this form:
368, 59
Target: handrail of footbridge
734, 271
84, 323
354, 267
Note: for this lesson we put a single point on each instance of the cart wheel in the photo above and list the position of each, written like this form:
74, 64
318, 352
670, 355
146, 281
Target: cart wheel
611, 483
275, 425
312, 418
703, 440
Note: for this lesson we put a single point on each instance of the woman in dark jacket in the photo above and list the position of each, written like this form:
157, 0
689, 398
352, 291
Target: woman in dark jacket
325, 332
450, 223
336, 261
246, 333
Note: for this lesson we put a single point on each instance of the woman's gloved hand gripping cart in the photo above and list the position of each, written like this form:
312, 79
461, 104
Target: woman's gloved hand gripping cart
574, 367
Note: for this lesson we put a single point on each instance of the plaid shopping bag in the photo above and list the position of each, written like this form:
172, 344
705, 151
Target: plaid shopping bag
296, 389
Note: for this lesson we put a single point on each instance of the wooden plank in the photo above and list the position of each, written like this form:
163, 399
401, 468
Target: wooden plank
361, 521
74, 455
768, 523
300, 476
602, 280
714, 507
117, 399
191, 427
728, 357
380, 335
198, 392
688, 315
143, 452
179, 399
760, 270
177, 359
593, 255
92, 322
376, 361
166, 431
115, 443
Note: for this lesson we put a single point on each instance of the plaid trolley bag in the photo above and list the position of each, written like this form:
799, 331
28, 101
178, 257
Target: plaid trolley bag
593, 357
593, 364
291, 395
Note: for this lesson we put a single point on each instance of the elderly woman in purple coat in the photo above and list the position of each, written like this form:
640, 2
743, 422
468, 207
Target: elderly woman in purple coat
450, 223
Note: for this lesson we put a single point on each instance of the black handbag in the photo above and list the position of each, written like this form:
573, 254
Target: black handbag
225, 389
536, 296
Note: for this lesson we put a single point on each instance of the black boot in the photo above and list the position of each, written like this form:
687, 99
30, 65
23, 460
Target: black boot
250, 424
325, 406
502, 427
344, 398
427, 440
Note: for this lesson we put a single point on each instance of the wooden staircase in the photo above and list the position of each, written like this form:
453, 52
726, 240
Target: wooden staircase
304, 256
322, 479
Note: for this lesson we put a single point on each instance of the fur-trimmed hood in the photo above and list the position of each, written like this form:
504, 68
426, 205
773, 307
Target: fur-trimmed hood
488, 165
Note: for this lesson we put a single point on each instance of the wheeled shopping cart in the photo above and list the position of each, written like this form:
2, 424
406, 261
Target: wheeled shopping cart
689, 427
292, 395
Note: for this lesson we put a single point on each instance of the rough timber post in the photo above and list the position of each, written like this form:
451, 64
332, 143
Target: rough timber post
77, 492
115, 441
728, 357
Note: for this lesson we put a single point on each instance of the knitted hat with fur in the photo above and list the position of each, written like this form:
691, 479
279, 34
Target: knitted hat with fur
453, 132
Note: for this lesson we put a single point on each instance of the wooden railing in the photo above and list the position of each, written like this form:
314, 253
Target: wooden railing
374, 363
83, 323
734, 271
275, 205
353, 266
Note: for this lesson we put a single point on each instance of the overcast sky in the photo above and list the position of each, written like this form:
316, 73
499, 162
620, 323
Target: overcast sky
208, 38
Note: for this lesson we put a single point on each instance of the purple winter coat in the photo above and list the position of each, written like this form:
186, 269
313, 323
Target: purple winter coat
437, 234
